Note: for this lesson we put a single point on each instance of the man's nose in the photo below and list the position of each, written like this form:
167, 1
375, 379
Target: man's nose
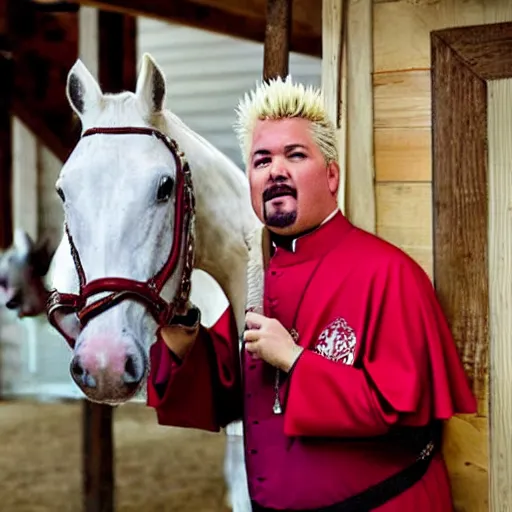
278, 171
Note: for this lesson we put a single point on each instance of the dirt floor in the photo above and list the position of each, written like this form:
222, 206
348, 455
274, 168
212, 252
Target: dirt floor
158, 469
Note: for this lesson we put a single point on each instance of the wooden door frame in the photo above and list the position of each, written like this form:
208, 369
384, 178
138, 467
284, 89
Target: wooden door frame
464, 60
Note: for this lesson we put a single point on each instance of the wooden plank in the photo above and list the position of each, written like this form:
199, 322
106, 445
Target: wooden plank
402, 99
404, 213
360, 190
334, 79
404, 43
403, 154
7, 74
500, 291
466, 453
277, 39
461, 209
303, 39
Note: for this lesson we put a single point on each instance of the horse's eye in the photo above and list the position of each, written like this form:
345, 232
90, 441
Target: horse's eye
165, 188
61, 193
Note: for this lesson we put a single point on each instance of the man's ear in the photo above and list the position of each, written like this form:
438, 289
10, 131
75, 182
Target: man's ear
333, 177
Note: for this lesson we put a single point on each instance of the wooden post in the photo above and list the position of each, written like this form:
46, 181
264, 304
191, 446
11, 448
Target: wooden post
334, 79
98, 457
7, 74
277, 38
116, 64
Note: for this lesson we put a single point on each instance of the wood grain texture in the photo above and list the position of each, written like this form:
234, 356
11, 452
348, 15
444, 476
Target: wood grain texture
488, 53
404, 218
461, 209
277, 38
500, 291
466, 452
360, 191
403, 154
402, 29
334, 80
402, 99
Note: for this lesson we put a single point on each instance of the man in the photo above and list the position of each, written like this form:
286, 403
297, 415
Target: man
351, 368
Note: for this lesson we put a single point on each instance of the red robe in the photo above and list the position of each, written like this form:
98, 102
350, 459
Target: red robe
379, 356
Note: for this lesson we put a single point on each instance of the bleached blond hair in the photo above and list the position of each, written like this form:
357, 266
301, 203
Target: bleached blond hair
281, 99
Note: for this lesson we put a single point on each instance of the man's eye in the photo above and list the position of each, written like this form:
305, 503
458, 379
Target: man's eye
262, 161
298, 154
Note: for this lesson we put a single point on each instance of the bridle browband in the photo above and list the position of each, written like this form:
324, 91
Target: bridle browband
148, 292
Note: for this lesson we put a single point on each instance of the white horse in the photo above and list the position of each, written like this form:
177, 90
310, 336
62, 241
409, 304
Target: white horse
122, 195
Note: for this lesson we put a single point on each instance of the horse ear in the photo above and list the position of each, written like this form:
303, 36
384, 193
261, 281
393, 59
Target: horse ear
23, 243
41, 256
151, 87
82, 89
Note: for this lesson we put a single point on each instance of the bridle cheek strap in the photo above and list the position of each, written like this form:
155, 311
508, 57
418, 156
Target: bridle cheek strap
61, 305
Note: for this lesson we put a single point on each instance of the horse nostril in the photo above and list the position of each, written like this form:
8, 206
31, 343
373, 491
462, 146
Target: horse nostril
130, 371
14, 302
76, 368
81, 376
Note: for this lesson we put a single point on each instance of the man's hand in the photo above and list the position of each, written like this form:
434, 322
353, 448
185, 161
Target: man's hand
266, 338
180, 335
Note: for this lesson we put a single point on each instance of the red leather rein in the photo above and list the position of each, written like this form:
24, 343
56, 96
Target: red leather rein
148, 292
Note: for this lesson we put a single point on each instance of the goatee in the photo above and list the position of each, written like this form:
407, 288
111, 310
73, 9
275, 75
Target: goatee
280, 219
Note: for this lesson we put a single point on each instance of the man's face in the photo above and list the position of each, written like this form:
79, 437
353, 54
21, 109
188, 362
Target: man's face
292, 188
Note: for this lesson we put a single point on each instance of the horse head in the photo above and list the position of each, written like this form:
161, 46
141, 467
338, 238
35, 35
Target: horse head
22, 269
145, 200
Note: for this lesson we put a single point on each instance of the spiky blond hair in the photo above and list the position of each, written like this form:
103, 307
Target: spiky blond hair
281, 99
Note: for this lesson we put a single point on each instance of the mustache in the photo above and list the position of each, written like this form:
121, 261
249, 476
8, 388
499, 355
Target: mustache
277, 191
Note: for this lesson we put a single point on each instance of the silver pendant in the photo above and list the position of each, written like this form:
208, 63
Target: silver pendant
277, 407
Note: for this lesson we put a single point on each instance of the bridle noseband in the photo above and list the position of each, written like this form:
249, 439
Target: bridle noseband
147, 292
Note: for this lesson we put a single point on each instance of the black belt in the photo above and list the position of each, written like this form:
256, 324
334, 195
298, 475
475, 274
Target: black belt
378, 494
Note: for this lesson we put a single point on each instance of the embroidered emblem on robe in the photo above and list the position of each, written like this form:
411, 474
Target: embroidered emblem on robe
337, 342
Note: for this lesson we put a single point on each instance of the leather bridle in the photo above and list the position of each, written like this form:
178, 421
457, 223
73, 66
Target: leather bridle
119, 289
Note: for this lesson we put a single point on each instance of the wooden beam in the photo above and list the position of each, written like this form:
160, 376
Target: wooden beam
460, 250
334, 79
306, 16
360, 198
277, 39
500, 288
6, 85
188, 12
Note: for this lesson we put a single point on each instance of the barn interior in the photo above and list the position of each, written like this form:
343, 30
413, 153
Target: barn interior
420, 93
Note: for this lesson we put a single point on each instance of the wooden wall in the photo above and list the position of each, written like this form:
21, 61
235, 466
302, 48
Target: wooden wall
402, 115
402, 159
